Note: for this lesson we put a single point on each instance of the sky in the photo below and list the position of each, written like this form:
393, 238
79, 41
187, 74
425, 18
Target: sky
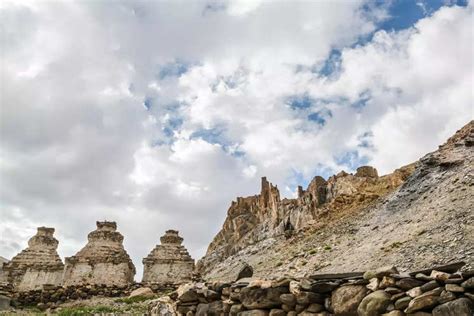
157, 114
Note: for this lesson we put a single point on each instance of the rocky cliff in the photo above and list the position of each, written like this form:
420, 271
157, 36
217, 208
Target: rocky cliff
418, 215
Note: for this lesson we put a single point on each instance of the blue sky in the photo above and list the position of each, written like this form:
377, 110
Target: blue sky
158, 115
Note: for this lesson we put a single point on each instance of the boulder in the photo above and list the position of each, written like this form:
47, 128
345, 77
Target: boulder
346, 299
288, 299
235, 309
142, 291
255, 298
305, 298
409, 283
426, 300
162, 306
254, 312
459, 307
403, 302
277, 312
439, 275
454, 288
431, 285
245, 272
380, 272
374, 304
315, 308
4, 303
468, 284
445, 297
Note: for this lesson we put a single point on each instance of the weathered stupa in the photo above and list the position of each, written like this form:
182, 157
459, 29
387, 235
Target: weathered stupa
168, 263
102, 261
36, 265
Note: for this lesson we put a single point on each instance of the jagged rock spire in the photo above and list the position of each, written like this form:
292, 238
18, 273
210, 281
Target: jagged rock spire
36, 265
102, 261
169, 262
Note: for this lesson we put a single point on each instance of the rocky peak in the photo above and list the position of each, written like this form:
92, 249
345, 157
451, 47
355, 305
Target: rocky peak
367, 172
255, 218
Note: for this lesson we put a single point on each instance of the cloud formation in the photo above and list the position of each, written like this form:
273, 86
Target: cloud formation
158, 114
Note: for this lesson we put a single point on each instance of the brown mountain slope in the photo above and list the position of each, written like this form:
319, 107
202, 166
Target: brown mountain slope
419, 215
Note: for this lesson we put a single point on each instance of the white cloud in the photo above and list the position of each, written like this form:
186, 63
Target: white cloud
156, 114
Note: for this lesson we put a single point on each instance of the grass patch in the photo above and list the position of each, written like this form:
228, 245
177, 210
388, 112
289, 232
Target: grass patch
75, 311
135, 299
312, 251
327, 247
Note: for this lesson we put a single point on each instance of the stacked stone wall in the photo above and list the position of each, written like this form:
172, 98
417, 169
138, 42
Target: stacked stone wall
436, 292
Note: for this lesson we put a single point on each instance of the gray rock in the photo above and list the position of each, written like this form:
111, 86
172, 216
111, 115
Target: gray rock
409, 283
468, 284
374, 304
202, 310
445, 297
315, 308
426, 300
403, 302
459, 307
254, 312
288, 299
346, 299
323, 287
429, 286
277, 312
235, 309
245, 272
454, 288
255, 298
4, 303
305, 298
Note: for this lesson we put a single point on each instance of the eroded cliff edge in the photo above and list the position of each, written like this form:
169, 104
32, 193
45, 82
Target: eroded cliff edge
420, 214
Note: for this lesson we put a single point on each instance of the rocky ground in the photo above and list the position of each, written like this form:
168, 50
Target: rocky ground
428, 220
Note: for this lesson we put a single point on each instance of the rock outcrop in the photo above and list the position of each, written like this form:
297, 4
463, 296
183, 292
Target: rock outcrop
256, 218
168, 263
401, 218
102, 261
36, 265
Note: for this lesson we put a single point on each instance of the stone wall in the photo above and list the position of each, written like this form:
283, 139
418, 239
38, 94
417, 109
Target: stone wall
438, 292
52, 296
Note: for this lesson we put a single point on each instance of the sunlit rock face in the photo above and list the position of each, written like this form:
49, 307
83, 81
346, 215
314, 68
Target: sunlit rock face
169, 262
255, 218
36, 265
102, 261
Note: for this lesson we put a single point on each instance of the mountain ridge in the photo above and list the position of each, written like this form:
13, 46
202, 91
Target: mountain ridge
300, 229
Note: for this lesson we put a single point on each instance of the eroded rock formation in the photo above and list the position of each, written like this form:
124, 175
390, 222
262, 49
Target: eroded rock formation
168, 263
255, 218
36, 265
102, 261
419, 214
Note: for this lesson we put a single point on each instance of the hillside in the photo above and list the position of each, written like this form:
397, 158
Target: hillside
419, 215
